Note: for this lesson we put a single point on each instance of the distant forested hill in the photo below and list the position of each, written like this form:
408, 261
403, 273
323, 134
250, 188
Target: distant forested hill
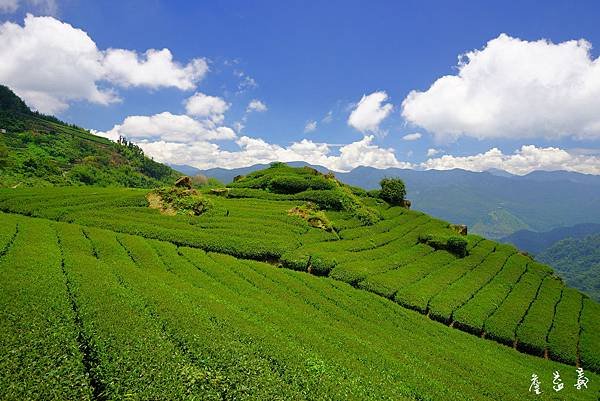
577, 260
39, 150
536, 242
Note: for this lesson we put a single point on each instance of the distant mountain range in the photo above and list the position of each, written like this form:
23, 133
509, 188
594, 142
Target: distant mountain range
493, 203
536, 242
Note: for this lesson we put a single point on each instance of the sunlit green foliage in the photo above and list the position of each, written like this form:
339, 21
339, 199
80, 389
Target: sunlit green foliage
488, 289
145, 319
39, 150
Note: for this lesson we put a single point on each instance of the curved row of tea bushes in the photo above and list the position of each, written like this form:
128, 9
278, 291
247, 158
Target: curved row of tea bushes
502, 325
40, 353
565, 327
457, 293
533, 331
419, 294
473, 314
589, 343
128, 353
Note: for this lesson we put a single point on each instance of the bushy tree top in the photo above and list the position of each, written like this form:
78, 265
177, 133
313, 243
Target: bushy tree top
393, 190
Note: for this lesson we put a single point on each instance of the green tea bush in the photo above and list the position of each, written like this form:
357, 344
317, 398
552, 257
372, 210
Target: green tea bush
326, 199
502, 325
453, 244
533, 331
445, 302
283, 179
320, 182
41, 355
422, 261
564, 336
288, 184
589, 346
418, 295
472, 315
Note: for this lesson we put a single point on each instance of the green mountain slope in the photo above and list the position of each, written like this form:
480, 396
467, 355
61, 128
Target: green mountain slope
38, 150
491, 290
578, 261
104, 315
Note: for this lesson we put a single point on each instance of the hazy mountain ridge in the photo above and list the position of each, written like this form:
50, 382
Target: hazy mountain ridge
536, 242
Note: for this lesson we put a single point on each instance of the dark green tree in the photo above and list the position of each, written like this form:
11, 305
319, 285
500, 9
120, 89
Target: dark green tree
392, 191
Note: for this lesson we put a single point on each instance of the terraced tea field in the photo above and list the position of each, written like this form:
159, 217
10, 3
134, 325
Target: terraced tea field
94, 314
494, 292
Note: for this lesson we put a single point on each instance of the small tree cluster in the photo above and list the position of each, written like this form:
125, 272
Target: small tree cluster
392, 191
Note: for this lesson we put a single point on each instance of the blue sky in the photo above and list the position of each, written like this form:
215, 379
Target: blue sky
310, 64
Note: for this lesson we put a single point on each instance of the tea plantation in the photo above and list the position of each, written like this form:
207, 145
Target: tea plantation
105, 298
94, 314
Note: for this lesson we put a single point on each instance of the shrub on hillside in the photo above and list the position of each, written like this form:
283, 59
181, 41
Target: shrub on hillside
85, 174
329, 199
452, 244
392, 191
288, 184
321, 182
457, 246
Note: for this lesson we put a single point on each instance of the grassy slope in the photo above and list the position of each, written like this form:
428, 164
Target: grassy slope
39, 150
142, 318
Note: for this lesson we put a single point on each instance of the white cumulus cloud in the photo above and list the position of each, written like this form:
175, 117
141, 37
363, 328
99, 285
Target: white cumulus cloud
168, 127
524, 160
211, 107
370, 112
514, 88
204, 154
51, 64
256, 105
412, 137
310, 126
153, 69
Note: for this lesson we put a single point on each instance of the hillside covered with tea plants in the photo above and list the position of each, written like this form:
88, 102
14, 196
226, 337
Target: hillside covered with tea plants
287, 284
